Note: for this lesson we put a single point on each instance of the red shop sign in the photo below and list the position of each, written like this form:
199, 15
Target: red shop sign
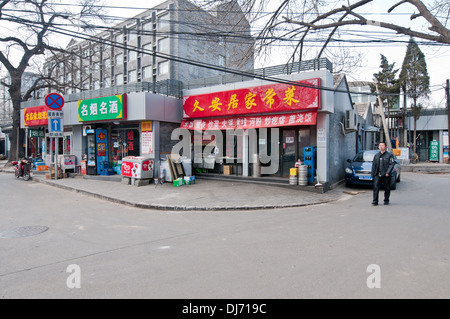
261, 99
36, 116
247, 122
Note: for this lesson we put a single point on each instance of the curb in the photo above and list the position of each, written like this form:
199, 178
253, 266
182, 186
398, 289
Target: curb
175, 207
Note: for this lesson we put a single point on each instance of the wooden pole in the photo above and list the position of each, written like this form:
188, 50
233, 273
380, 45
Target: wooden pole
383, 120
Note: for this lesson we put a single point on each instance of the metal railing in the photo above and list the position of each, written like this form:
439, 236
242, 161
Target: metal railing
282, 69
172, 88
175, 88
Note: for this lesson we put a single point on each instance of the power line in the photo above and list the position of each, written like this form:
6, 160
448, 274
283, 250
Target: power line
182, 60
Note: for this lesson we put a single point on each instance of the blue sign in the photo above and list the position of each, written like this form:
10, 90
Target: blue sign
54, 101
55, 125
55, 128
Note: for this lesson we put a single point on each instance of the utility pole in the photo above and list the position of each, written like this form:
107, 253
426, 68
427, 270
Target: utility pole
383, 119
447, 94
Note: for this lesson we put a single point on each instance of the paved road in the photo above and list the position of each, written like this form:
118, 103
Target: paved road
321, 251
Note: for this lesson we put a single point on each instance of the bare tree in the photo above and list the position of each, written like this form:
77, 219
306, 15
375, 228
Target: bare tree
300, 22
33, 21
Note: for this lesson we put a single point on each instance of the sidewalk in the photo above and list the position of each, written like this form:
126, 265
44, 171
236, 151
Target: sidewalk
205, 194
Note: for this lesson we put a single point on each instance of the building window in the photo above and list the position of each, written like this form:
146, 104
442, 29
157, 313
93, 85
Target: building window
221, 60
132, 55
163, 21
132, 35
107, 63
147, 26
119, 79
147, 48
132, 76
119, 39
119, 59
163, 45
163, 67
147, 72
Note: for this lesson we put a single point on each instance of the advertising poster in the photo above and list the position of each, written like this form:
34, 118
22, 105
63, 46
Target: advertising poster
147, 143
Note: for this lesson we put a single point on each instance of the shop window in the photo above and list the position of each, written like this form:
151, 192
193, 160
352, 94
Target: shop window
125, 142
67, 145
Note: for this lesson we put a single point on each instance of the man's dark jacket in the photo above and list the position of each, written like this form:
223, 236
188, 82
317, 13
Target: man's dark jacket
383, 164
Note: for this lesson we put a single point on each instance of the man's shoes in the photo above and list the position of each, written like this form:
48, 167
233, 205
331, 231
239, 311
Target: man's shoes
386, 202
375, 203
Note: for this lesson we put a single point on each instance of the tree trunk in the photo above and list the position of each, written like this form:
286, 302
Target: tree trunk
17, 134
415, 137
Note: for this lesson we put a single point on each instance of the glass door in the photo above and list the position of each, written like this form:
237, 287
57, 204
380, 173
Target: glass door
288, 151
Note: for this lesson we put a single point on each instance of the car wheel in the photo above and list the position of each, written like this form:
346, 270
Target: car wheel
394, 186
398, 179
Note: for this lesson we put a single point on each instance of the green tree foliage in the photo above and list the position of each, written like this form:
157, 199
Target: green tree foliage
415, 80
387, 82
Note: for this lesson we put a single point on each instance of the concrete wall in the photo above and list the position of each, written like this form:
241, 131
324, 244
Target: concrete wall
342, 144
192, 45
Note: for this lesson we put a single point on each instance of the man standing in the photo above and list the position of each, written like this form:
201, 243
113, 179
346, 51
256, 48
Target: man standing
383, 164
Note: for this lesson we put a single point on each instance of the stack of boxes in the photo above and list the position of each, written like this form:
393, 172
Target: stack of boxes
105, 169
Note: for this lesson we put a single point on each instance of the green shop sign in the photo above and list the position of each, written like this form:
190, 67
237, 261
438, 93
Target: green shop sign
434, 151
36, 133
103, 109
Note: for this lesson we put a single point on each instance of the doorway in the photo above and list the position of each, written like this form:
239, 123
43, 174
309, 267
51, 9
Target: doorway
288, 151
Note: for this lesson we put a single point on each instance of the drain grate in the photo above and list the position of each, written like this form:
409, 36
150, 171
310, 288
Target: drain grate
23, 232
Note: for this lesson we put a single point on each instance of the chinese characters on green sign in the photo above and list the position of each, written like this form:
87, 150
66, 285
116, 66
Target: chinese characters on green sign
103, 108
434, 151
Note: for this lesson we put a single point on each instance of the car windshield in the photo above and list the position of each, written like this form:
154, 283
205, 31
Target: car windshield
364, 157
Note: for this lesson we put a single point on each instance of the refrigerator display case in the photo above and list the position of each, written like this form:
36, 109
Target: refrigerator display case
91, 153
138, 167
97, 152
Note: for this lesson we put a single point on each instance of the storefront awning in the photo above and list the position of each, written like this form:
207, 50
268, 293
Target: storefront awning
248, 122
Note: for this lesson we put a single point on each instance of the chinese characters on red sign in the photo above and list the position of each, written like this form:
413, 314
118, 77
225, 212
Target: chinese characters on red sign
261, 99
248, 122
36, 116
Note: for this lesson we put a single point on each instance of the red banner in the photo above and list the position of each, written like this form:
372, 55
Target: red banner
36, 116
247, 122
261, 99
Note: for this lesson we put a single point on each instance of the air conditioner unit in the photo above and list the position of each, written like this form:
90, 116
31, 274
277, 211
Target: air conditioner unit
351, 120
85, 128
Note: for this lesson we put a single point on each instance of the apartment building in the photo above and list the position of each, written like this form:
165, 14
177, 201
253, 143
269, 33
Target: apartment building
149, 46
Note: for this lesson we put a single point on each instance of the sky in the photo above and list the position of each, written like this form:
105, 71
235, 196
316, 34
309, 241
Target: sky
437, 57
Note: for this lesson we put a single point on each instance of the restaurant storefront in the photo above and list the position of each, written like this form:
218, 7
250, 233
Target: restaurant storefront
265, 127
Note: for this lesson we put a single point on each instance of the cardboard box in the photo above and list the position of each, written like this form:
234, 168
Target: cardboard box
178, 182
227, 170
